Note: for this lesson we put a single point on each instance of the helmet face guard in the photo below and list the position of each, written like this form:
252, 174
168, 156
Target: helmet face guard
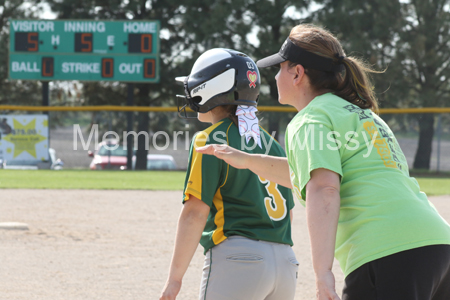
225, 77
181, 108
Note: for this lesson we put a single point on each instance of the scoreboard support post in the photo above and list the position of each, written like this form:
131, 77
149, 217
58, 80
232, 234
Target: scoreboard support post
45, 95
46, 102
130, 141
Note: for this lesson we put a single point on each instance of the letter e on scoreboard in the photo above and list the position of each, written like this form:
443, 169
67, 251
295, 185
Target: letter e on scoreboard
149, 68
47, 66
107, 67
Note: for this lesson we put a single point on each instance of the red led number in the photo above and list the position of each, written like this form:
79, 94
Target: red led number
86, 40
146, 43
149, 68
33, 41
47, 67
107, 67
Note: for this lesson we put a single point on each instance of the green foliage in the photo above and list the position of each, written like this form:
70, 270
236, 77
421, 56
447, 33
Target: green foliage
409, 38
15, 92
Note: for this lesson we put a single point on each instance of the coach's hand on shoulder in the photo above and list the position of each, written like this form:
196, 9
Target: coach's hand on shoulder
325, 287
171, 290
236, 158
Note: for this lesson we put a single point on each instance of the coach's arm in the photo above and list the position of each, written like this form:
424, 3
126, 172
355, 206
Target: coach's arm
273, 168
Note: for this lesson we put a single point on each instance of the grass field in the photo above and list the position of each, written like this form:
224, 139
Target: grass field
87, 179
138, 180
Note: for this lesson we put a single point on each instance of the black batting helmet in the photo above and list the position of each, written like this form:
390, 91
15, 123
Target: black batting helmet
221, 77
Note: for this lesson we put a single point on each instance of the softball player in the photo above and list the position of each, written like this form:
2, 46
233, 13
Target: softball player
242, 220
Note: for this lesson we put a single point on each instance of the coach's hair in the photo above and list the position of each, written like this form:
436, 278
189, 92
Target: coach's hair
352, 84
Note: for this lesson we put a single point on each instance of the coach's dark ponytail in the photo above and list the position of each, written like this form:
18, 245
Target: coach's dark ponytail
353, 83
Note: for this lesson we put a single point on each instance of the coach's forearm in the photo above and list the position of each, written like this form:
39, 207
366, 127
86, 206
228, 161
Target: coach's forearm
273, 168
322, 214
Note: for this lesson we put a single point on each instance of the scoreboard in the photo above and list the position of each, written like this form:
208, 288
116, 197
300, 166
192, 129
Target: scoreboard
84, 50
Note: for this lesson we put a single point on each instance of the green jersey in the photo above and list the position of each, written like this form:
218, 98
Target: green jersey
242, 203
382, 209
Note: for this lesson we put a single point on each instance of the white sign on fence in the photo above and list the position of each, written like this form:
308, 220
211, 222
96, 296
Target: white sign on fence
24, 138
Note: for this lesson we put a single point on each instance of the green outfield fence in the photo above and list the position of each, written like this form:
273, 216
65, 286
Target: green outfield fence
62, 137
174, 109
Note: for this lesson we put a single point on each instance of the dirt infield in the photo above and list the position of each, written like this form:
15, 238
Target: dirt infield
109, 245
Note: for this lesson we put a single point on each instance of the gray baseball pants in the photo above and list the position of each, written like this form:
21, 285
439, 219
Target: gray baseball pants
240, 268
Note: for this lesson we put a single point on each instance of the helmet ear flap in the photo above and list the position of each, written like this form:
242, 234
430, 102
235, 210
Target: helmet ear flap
196, 99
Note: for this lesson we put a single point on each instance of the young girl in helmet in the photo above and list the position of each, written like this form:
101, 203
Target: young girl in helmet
348, 169
242, 220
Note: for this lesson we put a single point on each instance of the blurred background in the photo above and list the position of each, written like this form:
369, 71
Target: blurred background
409, 40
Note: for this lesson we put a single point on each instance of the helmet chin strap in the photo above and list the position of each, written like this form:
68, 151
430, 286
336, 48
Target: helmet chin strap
248, 123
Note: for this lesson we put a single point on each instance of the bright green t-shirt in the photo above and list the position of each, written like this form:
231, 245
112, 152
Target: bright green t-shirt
382, 209
242, 203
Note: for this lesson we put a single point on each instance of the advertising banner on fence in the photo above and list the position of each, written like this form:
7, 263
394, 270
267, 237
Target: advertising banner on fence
24, 138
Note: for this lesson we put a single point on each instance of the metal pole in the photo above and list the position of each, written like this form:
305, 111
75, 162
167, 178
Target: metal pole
439, 131
130, 145
45, 102
109, 129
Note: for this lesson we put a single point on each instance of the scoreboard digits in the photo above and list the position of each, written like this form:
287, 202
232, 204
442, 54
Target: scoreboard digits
26, 41
47, 66
149, 68
107, 67
83, 42
139, 43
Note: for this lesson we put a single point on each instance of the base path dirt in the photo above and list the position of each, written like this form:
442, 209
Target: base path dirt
87, 244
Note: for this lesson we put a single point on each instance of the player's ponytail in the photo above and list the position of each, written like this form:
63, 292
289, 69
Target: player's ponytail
230, 111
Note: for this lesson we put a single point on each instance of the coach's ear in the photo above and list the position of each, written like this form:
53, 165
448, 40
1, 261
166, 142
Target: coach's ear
299, 75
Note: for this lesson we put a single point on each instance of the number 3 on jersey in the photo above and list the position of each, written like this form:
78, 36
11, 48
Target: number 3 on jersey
275, 203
